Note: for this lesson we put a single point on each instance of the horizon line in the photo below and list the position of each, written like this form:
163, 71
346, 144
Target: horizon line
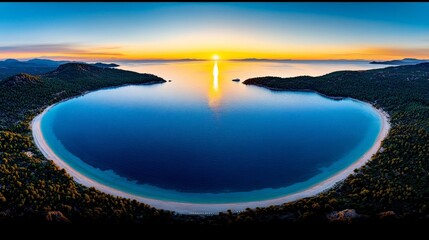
188, 59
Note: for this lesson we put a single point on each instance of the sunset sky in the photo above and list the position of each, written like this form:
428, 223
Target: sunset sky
131, 31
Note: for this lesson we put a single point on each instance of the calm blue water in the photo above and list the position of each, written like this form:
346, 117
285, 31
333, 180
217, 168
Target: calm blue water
208, 139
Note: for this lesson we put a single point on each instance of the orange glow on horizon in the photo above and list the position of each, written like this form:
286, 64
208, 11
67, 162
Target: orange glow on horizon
301, 53
214, 93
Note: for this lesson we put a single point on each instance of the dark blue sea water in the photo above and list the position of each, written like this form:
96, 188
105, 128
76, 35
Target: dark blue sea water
182, 139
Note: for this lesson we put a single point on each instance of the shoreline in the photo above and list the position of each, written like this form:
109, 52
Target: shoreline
299, 90
209, 209
39, 111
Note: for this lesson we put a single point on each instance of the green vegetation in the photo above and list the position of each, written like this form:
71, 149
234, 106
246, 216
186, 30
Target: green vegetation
397, 178
31, 187
393, 186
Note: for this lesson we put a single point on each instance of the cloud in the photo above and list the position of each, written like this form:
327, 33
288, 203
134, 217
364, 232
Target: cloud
61, 48
37, 48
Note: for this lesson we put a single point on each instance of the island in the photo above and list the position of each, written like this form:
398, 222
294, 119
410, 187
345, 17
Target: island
405, 61
391, 186
105, 65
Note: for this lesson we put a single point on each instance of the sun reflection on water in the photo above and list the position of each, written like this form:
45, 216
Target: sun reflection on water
215, 77
214, 94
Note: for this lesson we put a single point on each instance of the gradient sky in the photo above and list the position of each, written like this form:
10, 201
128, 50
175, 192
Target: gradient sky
113, 31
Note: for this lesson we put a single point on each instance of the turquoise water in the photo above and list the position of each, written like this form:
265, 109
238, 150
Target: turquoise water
205, 139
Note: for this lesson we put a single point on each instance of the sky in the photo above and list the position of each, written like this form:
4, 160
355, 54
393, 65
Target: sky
138, 31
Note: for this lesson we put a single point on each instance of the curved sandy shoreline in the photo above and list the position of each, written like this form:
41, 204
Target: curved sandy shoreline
194, 208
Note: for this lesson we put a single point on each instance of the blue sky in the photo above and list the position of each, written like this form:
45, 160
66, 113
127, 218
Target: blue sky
198, 30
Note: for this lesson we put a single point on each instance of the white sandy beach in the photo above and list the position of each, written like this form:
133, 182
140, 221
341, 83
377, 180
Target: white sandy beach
192, 208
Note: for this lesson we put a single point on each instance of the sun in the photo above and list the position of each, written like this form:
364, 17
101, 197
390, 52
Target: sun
215, 57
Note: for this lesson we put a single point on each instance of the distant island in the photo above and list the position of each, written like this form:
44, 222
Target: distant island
105, 65
259, 59
165, 60
297, 60
405, 61
10, 67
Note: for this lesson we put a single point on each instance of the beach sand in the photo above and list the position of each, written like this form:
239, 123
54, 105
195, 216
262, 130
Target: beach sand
207, 209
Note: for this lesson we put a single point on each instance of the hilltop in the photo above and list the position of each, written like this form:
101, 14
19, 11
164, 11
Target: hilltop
10, 67
21, 79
